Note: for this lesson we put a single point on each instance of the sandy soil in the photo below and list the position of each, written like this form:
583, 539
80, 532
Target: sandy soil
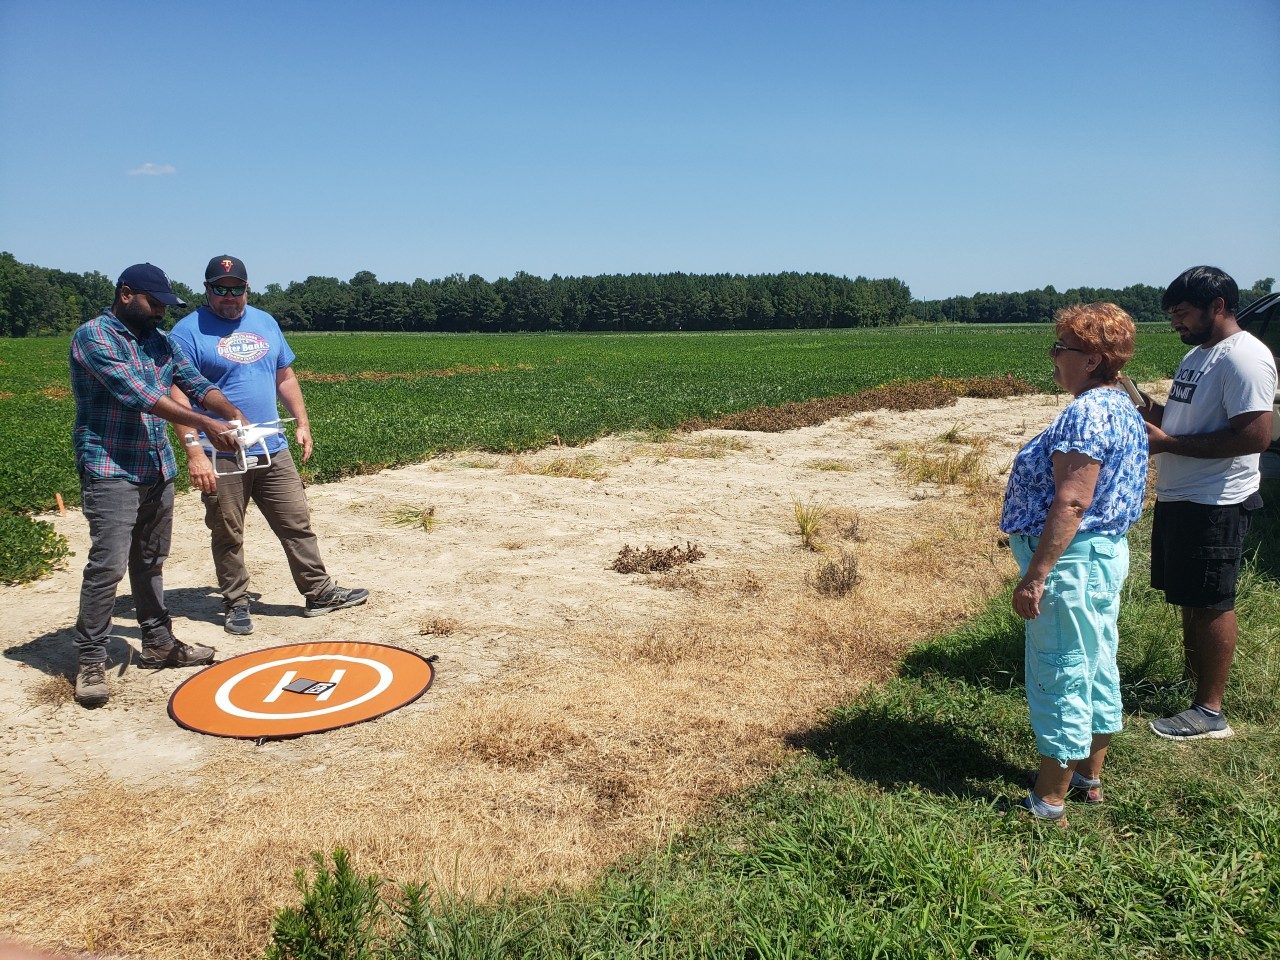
578, 713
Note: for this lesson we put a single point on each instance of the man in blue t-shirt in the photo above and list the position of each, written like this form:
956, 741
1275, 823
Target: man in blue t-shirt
241, 349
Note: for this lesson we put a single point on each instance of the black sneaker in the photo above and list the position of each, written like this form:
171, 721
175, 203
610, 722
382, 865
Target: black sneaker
338, 598
91, 685
1193, 724
175, 654
236, 619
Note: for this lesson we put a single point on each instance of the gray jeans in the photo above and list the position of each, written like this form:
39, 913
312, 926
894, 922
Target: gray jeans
278, 492
130, 526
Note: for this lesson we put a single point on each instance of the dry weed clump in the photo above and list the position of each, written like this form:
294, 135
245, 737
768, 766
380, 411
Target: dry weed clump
833, 466
848, 524
725, 442
678, 451
51, 692
666, 445
424, 517
681, 578
648, 560
585, 467
941, 464
438, 627
838, 577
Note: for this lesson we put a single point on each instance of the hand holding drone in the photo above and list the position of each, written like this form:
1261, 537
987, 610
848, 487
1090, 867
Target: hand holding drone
251, 446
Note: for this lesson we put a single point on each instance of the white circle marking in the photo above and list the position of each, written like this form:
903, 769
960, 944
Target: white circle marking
223, 697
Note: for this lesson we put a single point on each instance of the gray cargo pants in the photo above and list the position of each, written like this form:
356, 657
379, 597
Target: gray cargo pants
130, 526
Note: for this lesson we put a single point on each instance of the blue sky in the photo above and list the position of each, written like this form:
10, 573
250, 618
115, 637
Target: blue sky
959, 146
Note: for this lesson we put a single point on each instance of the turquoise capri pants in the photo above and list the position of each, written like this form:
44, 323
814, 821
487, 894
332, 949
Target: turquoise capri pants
1073, 683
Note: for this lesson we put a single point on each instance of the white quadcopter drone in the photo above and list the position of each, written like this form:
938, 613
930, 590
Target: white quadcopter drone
248, 436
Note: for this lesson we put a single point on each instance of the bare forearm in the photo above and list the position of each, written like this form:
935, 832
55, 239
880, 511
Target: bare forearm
169, 409
1216, 445
215, 401
290, 393
1244, 434
1060, 526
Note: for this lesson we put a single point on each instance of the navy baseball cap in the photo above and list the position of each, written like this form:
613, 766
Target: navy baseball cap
150, 279
226, 267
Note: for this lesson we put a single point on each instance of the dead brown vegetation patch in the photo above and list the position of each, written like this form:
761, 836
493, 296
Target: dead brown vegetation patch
56, 391
438, 627
538, 779
649, 560
913, 395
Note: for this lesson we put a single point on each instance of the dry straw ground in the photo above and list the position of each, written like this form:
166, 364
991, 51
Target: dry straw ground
579, 713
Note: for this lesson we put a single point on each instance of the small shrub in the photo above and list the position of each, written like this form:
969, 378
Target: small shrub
338, 918
29, 548
648, 560
838, 577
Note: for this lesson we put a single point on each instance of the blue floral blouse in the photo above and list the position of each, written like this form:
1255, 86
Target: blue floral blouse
1103, 425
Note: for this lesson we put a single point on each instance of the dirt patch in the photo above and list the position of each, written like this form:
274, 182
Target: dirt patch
578, 715
921, 395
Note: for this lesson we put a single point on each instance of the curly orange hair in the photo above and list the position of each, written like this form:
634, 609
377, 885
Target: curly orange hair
1104, 329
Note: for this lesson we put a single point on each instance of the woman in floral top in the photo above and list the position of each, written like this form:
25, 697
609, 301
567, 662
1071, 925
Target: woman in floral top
1074, 491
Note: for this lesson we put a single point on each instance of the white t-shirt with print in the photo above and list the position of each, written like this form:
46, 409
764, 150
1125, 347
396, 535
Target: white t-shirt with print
1213, 385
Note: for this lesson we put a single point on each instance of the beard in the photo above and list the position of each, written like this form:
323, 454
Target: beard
1193, 338
139, 317
230, 312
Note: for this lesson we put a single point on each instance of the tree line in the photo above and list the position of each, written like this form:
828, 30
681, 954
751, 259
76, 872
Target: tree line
38, 300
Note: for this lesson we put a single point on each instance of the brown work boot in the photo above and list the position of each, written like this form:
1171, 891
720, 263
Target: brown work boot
91, 685
175, 654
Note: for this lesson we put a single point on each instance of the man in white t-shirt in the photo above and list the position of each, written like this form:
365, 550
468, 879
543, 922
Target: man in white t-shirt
1206, 440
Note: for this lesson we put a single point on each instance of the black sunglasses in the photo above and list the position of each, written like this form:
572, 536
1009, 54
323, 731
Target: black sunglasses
222, 291
1058, 348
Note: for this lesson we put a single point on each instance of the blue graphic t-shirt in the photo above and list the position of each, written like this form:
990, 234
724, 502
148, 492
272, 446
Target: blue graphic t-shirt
1105, 426
241, 357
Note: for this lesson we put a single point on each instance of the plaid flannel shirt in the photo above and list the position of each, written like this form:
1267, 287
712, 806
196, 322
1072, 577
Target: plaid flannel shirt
116, 379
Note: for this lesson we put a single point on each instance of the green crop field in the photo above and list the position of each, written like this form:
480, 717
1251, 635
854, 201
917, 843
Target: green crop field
384, 400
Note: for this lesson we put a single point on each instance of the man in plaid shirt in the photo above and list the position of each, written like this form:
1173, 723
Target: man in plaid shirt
122, 367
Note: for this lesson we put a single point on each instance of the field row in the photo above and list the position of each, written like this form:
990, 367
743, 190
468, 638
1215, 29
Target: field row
387, 400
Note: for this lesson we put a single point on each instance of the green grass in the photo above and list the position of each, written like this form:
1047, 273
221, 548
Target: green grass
883, 838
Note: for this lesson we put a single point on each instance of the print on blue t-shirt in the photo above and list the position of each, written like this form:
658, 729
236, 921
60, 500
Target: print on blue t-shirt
1103, 425
241, 357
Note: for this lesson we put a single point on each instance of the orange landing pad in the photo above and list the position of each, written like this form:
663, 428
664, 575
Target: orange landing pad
297, 689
